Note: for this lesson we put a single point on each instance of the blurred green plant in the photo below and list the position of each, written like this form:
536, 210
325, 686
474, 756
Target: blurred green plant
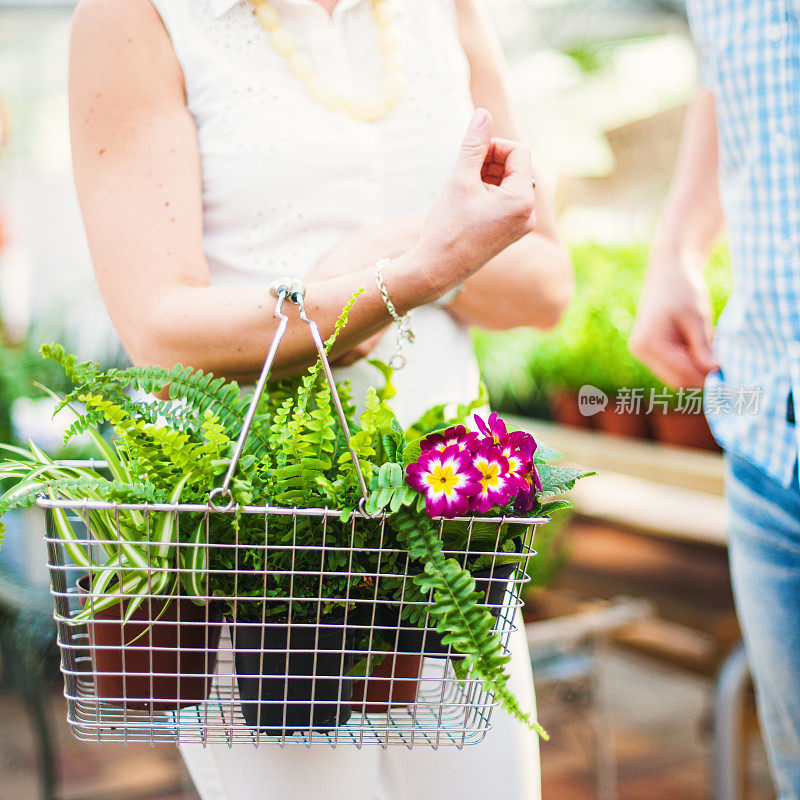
21, 368
523, 368
552, 551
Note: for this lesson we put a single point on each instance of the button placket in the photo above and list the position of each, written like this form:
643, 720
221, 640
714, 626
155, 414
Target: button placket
364, 137
332, 62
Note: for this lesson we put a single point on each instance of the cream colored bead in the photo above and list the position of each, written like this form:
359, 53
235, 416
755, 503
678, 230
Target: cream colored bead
368, 107
389, 40
283, 42
301, 67
267, 16
383, 15
394, 87
327, 95
394, 61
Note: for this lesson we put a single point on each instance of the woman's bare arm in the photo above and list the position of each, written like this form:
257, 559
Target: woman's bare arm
138, 175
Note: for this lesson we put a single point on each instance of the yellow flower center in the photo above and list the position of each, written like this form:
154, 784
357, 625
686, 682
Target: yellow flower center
489, 474
443, 478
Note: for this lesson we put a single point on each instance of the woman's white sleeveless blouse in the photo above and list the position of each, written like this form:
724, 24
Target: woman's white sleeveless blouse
284, 181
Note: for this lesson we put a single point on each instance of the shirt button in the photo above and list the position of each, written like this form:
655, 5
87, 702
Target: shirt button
787, 247
774, 32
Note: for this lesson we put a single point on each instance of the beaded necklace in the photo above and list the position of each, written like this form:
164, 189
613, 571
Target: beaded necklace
366, 107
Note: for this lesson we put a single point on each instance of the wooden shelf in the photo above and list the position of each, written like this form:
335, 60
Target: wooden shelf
656, 509
662, 491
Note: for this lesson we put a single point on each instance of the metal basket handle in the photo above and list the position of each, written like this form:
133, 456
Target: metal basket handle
293, 290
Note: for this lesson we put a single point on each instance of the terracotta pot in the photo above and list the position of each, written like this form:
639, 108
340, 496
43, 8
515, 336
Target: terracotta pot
684, 430
392, 684
292, 676
567, 412
631, 424
160, 660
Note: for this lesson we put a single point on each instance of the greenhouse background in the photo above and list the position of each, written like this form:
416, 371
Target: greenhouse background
628, 682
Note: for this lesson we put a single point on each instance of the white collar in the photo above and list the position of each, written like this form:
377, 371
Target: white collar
222, 7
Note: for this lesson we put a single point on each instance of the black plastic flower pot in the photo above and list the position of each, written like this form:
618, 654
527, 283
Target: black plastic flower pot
427, 640
293, 677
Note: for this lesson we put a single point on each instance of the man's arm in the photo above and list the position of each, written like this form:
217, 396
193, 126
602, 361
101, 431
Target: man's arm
673, 329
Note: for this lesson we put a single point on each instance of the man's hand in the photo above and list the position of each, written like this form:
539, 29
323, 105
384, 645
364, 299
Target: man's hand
673, 330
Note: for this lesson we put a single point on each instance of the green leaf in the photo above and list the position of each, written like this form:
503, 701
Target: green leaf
69, 539
388, 391
554, 505
545, 454
412, 452
194, 559
165, 533
556, 480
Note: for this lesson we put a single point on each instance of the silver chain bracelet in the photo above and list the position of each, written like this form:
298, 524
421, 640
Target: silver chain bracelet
404, 332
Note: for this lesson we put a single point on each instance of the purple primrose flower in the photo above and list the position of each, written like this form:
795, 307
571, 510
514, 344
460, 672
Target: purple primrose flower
462, 471
446, 478
441, 440
494, 430
498, 485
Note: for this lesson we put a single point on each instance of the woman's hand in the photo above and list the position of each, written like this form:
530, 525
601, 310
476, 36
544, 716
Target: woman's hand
486, 205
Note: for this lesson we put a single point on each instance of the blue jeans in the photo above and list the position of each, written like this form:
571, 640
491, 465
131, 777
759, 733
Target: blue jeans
765, 568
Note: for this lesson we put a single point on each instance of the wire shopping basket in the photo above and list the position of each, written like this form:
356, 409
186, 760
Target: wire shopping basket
346, 656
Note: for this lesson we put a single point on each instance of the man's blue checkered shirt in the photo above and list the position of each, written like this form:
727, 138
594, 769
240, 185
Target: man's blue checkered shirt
750, 58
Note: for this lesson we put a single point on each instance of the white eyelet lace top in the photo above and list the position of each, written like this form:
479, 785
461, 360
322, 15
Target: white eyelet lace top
285, 179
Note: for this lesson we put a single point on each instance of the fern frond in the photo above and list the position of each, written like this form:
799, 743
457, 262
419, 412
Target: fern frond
466, 625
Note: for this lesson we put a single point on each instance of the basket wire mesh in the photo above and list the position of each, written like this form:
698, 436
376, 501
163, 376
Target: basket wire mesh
301, 629
179, 676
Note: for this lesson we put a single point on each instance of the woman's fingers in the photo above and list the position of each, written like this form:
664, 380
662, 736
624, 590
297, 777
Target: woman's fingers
517, 166
485, 206
493, 173
476, 143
